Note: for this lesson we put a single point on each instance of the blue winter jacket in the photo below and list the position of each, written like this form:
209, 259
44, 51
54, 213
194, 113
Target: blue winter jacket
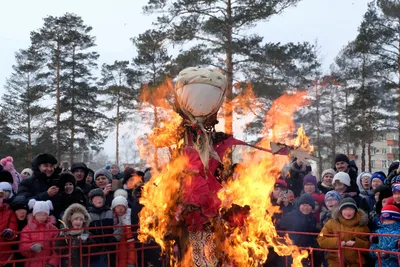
388, 243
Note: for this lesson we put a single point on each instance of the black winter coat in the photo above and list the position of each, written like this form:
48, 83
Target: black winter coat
84, 187
62, 247
304, 223
64, 200
36, 187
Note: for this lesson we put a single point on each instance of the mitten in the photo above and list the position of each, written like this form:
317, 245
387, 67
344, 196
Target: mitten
7, 233
36, 248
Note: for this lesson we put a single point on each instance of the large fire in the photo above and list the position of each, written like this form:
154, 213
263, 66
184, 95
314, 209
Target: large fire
247, 240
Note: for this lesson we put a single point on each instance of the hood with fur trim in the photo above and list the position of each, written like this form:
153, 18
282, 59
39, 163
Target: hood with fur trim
361, 217
73, 209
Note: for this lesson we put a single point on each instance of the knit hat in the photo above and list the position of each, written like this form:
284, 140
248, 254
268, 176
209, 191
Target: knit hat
19, 205
395, 180
28, 171
307, 199
97, 192
396, 188
4, 186
121, 192
332, 194
325, 172
40, 206
80, 165
378, 175
342, 157
342, 177
119, 200
6, 176
310, 179
348, 202
390, 212
104, 172
281, 184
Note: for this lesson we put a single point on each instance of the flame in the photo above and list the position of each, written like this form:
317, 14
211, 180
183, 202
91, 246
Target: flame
302, 140
246, 241
134, 181
248, 245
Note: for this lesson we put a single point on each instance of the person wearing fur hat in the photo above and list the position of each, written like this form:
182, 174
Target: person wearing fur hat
74, 219
38, 236
343, 164
346, 218
103, 180
305, 222
390, 217
81, 171
127, 254
42, 185
69, 194
8, 165
8, 228
325, 184
101, 216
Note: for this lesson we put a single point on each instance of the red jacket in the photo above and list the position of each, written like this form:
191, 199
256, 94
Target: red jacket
7, 220
44, 234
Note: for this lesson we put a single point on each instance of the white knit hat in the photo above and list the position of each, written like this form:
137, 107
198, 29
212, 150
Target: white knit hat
40, 206
325, 172
121, 192
342, 177
119, 200
28, 171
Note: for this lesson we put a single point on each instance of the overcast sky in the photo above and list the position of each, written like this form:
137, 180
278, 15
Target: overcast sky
332, 22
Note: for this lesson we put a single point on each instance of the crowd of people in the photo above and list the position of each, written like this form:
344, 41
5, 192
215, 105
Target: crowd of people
345, 203
37, 202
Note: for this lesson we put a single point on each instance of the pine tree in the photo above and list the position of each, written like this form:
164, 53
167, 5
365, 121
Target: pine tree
68, 45
25, 89
120, 94
222, 25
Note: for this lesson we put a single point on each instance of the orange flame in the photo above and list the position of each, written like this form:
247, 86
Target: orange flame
245, 245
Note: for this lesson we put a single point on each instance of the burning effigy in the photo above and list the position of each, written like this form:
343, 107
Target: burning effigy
201, 209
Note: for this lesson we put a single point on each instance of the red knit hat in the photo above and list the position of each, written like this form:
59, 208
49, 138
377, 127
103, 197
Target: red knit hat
390, 212
281, 183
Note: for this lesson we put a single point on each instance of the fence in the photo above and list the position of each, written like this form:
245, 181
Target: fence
68, 250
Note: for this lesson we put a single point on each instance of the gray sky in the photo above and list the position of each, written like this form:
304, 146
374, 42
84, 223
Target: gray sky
332, 22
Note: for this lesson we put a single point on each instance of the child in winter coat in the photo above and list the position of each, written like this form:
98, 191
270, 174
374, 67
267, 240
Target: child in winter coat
366, 193
126, 248
285, 201
8, 165
326, 184
21, 209
101, 216
8, 192
8, 228
75, 217
38, 236
305, 222
390, 217
346, 218
332, 199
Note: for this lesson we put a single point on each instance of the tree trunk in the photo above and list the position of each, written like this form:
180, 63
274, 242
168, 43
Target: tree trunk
317, 98
369, 157
398, 89
347, 121
228, 114
29, 133
58, 105
333, 128
72, 141
155, 124
363, 155
117, 134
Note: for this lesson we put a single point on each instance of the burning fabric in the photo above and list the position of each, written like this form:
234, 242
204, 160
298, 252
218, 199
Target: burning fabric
195, 208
